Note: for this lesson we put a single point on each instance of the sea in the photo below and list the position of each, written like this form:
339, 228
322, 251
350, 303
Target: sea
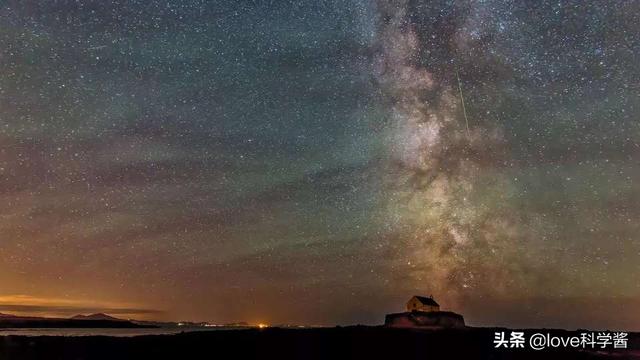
108, 331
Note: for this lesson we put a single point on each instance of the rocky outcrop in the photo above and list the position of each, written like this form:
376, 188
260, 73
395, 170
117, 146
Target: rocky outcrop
420, 319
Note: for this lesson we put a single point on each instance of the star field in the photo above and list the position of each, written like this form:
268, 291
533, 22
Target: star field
281, 161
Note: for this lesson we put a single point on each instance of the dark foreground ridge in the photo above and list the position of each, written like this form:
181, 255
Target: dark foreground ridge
357, 342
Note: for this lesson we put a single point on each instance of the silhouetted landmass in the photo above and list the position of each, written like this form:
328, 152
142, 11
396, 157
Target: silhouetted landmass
170, 324
99, 316
92, 321
358, 342
237, 324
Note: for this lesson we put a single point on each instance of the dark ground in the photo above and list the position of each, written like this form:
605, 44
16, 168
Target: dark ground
358, 342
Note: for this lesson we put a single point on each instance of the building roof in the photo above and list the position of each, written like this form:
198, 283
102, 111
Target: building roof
427, 300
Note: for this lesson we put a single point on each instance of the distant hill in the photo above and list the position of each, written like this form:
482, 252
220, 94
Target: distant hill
170, 324
237, 324
6, 317
98, 316
79, 321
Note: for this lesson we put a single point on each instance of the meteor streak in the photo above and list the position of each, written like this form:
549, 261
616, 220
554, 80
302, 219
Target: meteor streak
464, 109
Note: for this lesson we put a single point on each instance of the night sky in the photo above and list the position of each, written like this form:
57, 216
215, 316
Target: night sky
320, 162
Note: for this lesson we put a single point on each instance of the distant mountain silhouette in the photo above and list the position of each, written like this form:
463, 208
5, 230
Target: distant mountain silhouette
4, 316
237, 324
98, 316
78, 321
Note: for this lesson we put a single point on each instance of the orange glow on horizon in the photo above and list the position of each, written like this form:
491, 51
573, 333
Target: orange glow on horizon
28, 305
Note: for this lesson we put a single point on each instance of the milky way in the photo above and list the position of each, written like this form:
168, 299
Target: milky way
461, 234
312, 162
468, 221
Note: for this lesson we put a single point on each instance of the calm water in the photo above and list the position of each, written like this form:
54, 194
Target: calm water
104, 332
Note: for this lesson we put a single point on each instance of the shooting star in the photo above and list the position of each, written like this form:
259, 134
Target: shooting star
464, 109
